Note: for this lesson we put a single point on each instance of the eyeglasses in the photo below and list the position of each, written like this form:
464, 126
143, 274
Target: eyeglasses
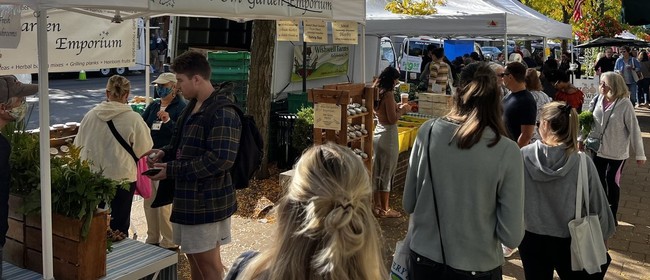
501, 75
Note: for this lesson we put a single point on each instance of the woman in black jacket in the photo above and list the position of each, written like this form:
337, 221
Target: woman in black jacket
161, 116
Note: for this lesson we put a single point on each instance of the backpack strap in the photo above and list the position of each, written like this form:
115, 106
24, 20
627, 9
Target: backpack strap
119, 138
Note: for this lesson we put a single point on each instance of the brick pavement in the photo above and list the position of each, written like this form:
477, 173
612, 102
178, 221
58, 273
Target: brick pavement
629, 248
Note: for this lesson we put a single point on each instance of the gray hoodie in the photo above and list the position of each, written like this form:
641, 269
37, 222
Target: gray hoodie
551, 177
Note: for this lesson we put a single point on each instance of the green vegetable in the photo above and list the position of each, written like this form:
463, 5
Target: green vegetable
586, 119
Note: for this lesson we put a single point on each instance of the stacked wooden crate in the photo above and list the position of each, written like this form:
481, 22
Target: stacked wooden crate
434, 104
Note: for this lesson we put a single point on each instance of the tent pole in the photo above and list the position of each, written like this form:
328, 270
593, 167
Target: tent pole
505, 47
147, 61
363, 53
545, 47
44, 139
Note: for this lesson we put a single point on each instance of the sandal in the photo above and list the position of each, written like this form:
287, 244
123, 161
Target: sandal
115, 235
377, 211
390, 213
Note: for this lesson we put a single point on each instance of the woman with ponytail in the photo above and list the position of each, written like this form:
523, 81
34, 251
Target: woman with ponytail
551, 177
385, 142
325, 229
464, 185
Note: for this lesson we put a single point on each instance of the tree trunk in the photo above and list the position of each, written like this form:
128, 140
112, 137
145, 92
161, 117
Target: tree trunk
566, 16
259, 90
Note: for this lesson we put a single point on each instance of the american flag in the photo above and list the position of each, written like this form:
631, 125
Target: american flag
577, 11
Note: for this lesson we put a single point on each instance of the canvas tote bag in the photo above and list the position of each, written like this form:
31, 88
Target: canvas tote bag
588, 250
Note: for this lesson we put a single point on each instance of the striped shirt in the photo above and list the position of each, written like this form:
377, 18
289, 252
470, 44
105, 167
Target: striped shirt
438, 74
204, 192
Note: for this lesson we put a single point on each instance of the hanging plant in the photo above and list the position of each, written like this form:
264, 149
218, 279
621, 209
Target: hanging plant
419, 8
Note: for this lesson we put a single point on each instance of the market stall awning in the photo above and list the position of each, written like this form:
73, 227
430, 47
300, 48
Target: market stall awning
613, 42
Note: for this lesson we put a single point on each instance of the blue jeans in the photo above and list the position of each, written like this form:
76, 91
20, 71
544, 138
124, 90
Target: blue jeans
632, 87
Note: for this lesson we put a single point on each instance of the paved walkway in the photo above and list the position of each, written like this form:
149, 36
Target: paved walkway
629, 248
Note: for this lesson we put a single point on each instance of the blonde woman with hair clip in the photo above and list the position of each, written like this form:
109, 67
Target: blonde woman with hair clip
100, 145
325, 227
616, 126
552, 170
464, 186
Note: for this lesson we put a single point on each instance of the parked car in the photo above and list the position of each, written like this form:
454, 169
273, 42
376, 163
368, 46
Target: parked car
490, 52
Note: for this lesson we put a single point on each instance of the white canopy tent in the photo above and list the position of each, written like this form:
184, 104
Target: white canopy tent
486, 18
343, 10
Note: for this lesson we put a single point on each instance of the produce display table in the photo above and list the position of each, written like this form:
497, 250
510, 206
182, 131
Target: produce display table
130, 259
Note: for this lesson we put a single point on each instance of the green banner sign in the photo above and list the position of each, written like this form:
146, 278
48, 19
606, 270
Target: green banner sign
323, 61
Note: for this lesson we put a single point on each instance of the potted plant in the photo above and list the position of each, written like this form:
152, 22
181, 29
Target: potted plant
302, 136
79, 231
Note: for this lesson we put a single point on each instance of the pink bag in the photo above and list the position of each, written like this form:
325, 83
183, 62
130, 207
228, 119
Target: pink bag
143, 184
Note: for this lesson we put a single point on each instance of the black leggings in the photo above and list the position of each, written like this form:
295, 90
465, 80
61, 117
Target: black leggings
121, 209
607, 170
541, 254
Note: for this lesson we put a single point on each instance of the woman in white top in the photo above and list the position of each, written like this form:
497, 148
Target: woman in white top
616, 126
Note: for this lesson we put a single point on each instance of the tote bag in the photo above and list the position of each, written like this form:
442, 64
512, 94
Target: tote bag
588, 250
143, 184
399, 268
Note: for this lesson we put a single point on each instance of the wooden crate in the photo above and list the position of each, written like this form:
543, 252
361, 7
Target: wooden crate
74, 258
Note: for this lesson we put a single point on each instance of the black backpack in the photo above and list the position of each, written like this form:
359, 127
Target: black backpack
250, 153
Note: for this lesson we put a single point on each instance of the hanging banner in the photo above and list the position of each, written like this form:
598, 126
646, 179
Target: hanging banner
324, 61
327, 116
315, 31
345, 32
75, 42
288, 30
9, 30
249, 9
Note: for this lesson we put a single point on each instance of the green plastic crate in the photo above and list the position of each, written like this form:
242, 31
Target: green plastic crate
229, 56
297, 100
229, 70
229, 77
229, 63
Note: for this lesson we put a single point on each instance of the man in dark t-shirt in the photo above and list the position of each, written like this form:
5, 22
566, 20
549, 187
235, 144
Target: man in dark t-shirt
605, 63
519, 107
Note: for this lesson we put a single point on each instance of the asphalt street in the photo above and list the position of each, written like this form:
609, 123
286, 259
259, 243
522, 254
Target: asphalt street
71, 99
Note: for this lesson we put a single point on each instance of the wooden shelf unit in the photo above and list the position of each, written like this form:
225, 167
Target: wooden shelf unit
344, 94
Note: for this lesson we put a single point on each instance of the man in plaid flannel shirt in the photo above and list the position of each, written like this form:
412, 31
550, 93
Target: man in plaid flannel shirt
199, 159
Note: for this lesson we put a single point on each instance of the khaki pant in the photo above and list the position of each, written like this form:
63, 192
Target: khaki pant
158, 223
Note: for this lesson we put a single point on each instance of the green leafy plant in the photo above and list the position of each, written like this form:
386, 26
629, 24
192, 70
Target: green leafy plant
303, 130
586, 119
77, 190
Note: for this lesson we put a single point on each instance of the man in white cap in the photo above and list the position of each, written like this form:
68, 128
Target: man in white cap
13, 108
161, 116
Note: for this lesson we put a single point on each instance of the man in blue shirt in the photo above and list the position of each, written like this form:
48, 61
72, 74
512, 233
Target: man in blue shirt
627, 66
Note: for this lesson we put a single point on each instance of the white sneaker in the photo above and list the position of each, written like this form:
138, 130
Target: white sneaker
507, 252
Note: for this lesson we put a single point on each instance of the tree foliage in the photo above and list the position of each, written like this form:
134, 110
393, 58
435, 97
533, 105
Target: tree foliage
412, 7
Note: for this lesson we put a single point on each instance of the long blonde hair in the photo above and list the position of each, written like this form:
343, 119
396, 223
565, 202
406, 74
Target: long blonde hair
117, 86
616, 83
325, 227
562, 123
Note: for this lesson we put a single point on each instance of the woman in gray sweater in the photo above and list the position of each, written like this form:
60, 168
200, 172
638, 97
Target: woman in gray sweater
551, 177
476, 175
617, 127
